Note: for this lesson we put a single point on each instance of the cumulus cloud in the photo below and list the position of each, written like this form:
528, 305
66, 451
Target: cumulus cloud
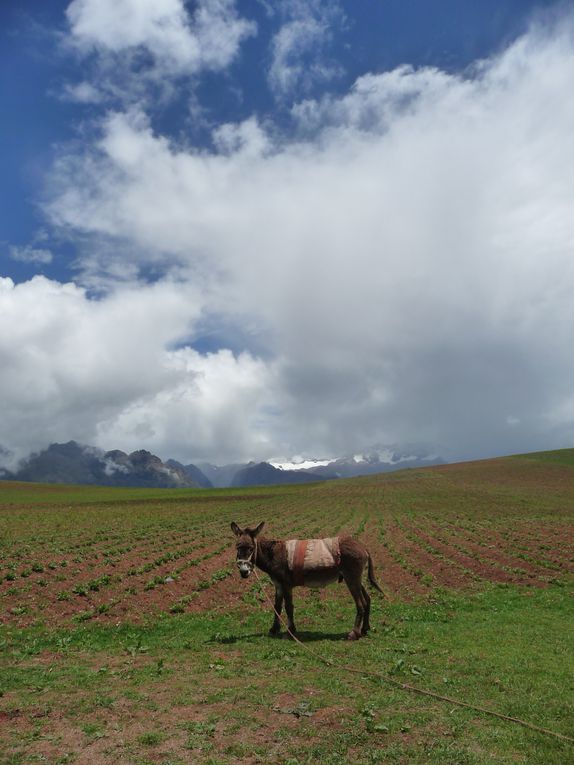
409, 254
164, 28
213, 410
299, 49
109, 372
139, 43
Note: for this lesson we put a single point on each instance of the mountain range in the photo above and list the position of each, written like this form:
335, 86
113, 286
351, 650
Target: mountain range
79, 464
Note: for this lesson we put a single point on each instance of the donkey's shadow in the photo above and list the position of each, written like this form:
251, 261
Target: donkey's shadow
313, 637
305, 636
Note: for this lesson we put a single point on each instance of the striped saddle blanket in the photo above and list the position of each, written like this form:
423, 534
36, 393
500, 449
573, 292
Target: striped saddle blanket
313, 562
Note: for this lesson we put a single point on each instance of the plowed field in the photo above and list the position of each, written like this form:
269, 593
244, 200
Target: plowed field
111, 556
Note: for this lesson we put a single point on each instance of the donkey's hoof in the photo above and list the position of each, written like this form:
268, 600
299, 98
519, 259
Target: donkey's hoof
353, 635
274, 633
289, 635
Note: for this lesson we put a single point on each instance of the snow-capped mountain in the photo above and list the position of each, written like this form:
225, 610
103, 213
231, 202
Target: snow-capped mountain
376, 459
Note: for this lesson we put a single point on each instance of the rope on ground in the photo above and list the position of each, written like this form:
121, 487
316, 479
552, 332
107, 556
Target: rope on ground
413, 688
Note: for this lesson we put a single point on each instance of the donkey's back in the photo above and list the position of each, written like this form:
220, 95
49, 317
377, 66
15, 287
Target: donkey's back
313, 562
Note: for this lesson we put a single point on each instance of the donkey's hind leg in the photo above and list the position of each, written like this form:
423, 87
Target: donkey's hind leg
355, 588
367, 614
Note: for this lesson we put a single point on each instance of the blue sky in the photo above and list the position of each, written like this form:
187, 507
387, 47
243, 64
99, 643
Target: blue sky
234, 230
374, 37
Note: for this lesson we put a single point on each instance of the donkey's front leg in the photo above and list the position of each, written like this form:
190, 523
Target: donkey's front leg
288, 592
278, 606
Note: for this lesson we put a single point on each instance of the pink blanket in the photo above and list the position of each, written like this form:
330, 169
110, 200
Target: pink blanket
313, 562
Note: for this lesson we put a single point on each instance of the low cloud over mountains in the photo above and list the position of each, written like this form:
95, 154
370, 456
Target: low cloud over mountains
78, 464
74, 463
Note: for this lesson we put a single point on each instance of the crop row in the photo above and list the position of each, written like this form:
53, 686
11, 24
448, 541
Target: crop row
128, 582
123, 562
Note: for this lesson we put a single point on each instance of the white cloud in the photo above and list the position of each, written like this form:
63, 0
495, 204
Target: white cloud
145, 51
83, 93
162, 27
211, 411
410, 256
246, 138
178, 43
299, 57
30, 254
106, 372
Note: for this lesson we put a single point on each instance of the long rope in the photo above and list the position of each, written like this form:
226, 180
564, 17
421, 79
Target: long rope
412, 688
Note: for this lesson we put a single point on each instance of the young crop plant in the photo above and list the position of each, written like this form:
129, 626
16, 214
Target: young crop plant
179, 606
84, 616
95, 585
152, 738
153, 583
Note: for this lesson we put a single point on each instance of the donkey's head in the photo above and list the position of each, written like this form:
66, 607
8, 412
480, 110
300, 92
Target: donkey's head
246, 548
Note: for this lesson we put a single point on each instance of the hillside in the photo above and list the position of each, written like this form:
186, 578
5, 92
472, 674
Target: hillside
264, 474
558, 457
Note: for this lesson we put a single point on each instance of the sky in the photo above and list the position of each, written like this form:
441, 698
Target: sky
253, 230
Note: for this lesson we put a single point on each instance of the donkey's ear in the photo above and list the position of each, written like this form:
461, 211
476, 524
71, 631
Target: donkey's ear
236, 530
258, 530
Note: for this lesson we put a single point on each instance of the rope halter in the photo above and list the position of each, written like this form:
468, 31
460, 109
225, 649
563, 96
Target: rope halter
246, 565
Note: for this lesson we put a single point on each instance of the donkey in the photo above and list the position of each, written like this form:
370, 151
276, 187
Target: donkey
274, 556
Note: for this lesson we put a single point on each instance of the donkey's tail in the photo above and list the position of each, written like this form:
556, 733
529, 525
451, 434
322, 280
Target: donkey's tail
372, 580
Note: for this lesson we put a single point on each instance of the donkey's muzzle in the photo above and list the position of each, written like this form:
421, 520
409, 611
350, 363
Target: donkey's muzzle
245, 568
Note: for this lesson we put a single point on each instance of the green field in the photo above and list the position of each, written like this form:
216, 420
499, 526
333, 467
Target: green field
127, 636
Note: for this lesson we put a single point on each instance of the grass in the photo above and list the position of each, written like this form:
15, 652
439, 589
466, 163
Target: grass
197, 679
19, 494
558, 457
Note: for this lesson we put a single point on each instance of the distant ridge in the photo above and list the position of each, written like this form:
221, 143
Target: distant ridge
264, 474
75, 463
72, 462
220, 475
192, 472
